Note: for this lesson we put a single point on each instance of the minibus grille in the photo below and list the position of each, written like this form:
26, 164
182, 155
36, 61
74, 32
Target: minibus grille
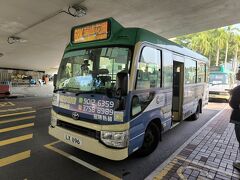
70, 116
78, 129
214, 92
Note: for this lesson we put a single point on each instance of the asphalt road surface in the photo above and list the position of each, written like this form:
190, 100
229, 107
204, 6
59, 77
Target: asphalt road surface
27, 152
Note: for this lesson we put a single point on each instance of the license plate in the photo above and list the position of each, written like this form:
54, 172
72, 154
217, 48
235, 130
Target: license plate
72, 139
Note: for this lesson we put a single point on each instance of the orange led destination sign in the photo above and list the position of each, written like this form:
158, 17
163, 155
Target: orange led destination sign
92, 32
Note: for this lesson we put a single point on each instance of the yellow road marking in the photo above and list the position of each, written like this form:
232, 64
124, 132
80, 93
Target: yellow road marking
16, 109
16, 139
164, 172
181, 169
53, 143
17, 119
83, 163
10, 103
206, 166
14, 114
16, 127
3, 104
14, 158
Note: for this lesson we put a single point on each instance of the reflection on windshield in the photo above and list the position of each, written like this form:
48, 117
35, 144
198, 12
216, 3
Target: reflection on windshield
218, 78
93, 69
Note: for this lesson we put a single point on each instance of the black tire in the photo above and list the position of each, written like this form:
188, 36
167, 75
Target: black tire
151, 139
195, 116
7, 93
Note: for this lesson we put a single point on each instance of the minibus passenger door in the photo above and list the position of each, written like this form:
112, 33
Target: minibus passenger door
178, 82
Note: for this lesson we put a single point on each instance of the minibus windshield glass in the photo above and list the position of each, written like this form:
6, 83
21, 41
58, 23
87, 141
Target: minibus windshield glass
93, 70
218, 78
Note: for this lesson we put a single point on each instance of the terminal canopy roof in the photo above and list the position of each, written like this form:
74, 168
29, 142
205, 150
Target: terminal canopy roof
43, 42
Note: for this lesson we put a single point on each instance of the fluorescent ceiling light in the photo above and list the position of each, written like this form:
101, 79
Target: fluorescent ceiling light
14, 39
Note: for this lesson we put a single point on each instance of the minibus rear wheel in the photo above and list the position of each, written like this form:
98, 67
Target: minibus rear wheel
151, 139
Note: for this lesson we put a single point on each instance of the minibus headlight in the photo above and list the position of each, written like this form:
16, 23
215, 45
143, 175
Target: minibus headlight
115, 139
53, 121
55, 99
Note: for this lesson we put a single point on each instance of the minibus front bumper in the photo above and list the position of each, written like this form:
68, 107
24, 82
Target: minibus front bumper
88, 144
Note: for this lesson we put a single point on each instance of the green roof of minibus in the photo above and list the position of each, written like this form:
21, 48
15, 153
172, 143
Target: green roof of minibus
129, 37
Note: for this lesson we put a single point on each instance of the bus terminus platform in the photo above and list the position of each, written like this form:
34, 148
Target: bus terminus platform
118, 89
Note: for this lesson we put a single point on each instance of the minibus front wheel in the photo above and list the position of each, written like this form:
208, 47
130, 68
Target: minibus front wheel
151, 139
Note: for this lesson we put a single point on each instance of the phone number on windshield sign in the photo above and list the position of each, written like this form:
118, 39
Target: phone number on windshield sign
96, 110
98, 103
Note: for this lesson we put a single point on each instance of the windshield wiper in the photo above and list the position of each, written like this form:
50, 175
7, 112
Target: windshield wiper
59, 89
84, 92
65, 89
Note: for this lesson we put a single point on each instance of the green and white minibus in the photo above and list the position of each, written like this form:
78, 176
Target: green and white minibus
221, 82
118, 89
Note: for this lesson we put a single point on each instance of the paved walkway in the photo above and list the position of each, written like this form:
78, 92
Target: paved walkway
209, 154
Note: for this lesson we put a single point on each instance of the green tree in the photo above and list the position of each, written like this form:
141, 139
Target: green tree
228, 36
236, 45
219, 45
201, 43
219, 38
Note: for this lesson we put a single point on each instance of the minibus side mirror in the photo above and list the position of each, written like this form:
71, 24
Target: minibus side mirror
54, 80
122, 83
